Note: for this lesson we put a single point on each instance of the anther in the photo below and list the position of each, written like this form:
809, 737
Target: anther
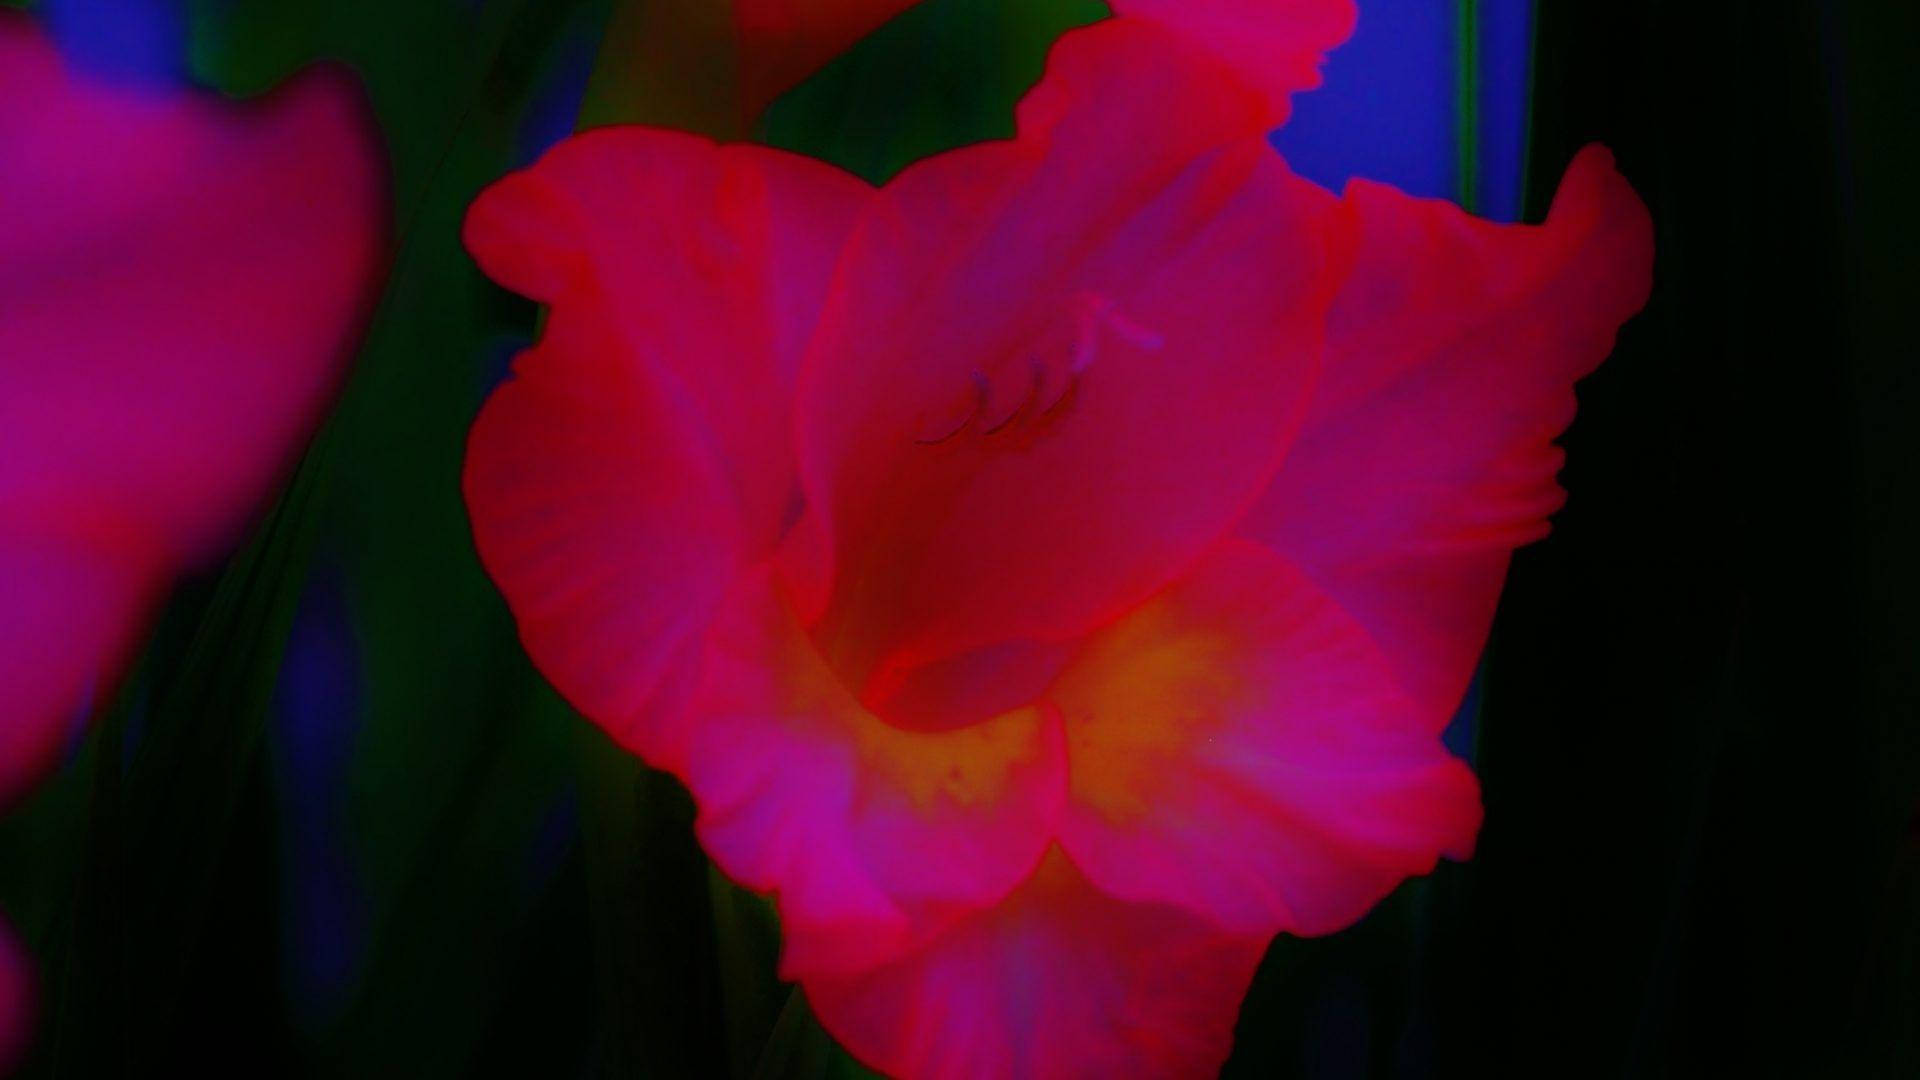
1096, 311
1064, 392
1132, 332
982, 392
1033, 391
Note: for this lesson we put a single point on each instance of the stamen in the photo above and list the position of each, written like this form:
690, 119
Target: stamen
982, 391
1097, 311
1133, 333
1086, 337
1092, 313
1033, 390
1066, 387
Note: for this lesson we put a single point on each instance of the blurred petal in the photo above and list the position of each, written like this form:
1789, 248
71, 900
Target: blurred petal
1429, 453
871, 835
183, 279
1238, 748
1061, 980
642, 452
1054, 370
74, 607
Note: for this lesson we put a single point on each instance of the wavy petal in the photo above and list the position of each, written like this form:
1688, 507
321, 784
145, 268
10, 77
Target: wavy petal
641, 455
1429, 453
872, 836
1061, 980
700, 269
1275, 45
605, 526
1238, 748
1053, 370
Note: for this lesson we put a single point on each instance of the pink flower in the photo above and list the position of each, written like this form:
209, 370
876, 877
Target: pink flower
1050, 572
182, 280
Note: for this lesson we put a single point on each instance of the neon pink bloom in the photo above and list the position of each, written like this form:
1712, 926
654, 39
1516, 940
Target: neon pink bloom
182, 278
1050, 572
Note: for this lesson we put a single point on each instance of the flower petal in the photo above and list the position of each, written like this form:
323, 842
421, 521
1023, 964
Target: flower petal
1429, 453
1276, 45
184, 278
642, 452
1061, 980
872, 836
700, 267
1053, 370
75, 601
606, 527
1238, 748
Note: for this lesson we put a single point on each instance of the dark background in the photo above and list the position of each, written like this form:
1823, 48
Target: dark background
335, 826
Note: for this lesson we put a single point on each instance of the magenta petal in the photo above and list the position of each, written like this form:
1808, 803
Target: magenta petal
74, 606
608, 530
1061, 980
1429, 455
871, 836
1275, 45
641, 454
1239, 748
183, 279
700, 270
1044, 385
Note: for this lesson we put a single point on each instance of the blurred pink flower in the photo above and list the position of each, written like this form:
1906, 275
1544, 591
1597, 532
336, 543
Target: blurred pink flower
182, 279
1050, 572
